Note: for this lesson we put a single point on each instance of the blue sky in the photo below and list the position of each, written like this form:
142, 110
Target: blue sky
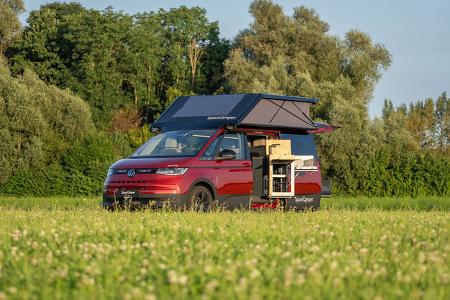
417, 33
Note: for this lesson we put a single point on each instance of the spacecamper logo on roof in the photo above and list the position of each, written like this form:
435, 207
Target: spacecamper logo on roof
220, 118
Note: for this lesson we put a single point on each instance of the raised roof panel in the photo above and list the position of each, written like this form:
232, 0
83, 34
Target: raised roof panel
279, 114
210, 105
257, 110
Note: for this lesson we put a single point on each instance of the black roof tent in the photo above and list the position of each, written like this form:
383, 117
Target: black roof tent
250, 110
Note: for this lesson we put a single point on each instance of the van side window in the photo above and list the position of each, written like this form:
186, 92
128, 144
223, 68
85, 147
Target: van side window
212, 150
301, 144
231, 141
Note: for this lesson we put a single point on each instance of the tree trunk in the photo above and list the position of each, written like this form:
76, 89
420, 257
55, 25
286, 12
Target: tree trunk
135, 95
148, 81
195, 53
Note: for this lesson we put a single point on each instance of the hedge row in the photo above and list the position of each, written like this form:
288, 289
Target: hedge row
52, 181
79, 170
398, 174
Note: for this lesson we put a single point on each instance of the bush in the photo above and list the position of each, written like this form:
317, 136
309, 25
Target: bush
37, 122
81, 170
399, 174
52, 180
91, 156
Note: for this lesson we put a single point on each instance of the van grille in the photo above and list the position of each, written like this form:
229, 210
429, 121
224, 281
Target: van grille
138, 171
129, 181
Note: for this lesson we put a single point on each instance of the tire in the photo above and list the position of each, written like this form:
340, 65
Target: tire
316, 204
109, 208
201, 199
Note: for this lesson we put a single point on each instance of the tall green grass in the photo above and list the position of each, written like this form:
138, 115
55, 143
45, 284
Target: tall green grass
50, 203
88, 253
387, 203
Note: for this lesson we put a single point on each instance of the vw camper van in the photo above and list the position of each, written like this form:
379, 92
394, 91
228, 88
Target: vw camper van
230, 151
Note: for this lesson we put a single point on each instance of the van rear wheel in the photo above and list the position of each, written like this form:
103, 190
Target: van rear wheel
201, 199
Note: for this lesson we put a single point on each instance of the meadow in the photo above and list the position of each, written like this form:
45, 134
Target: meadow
353, 248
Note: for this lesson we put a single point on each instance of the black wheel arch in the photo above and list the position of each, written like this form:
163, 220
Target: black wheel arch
207, 183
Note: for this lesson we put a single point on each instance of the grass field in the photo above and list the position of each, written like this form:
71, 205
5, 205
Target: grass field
354, 248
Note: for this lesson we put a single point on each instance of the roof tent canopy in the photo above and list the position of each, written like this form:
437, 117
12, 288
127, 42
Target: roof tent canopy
250, 110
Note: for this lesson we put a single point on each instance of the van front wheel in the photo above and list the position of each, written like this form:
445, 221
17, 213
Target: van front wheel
201, 199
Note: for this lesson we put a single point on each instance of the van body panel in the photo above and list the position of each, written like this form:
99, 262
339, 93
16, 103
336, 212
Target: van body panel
307, 183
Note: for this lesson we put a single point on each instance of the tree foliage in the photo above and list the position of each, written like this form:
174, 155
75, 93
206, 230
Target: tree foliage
38, 121
295, 55
114, 60
427, 123
9, 21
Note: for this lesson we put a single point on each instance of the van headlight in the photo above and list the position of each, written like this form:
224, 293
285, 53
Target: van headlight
171, 171
110, 172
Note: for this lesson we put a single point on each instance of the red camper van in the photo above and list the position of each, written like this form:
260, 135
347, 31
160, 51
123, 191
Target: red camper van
232, 151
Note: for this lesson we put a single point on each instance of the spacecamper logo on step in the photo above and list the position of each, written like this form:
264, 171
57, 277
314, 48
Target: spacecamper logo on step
210, 118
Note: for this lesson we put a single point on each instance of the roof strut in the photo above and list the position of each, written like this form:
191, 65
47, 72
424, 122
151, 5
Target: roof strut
308, 118
279, 107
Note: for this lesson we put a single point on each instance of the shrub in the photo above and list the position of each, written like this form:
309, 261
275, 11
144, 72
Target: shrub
80, 171
91, 156
399, 174
52, 180
37, 122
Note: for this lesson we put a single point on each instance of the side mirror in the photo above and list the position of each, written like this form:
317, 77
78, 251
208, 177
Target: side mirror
226, 154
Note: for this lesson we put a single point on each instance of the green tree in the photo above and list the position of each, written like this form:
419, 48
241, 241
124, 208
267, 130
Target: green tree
295, 55
84, 50
42, 46
442, 125
114, 60
395, 134
38, 122
215, 54
188, 38
9, 21
426, 122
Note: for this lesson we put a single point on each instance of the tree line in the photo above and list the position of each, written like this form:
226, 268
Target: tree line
79, 87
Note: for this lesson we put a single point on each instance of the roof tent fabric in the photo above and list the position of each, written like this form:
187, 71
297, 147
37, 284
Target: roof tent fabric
280, 113
251, 110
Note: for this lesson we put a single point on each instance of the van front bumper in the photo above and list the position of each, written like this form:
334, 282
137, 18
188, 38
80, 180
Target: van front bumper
176, 201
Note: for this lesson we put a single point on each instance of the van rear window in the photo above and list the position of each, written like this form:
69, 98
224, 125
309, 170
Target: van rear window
301, 144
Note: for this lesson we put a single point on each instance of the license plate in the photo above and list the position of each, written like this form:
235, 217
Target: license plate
128, 194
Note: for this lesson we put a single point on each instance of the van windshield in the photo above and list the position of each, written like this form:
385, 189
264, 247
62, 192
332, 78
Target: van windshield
179, 143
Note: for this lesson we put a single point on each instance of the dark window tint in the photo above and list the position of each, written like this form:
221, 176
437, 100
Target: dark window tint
301, 144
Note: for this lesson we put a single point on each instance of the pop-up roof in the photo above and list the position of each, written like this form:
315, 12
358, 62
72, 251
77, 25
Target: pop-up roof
249, 110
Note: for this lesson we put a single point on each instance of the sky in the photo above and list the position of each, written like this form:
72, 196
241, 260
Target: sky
416, 32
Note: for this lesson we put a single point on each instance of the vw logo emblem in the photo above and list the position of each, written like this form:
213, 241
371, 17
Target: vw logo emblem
131, 173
